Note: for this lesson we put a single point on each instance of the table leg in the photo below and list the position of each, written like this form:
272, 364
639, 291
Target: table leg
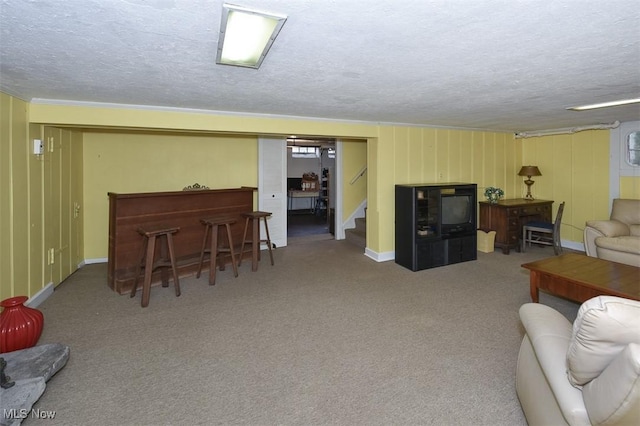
534, 282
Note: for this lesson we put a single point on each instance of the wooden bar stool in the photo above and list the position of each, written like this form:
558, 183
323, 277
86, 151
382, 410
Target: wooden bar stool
211, 226
150, 235
255, 240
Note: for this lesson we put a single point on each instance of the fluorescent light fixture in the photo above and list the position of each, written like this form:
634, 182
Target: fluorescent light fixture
605, 104
246, 35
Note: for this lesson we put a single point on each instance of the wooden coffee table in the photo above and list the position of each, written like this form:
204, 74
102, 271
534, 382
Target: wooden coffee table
578, 277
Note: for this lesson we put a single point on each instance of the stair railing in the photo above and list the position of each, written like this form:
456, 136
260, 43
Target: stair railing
358, 175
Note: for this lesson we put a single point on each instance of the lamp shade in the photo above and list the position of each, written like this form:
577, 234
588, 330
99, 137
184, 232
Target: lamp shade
529, 171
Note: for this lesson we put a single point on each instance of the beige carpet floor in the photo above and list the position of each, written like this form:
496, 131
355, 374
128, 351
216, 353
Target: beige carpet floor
327, 336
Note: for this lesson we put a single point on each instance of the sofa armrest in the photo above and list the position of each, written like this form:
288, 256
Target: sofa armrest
602, 228
550, 334
614, 396
610, 228
590, 235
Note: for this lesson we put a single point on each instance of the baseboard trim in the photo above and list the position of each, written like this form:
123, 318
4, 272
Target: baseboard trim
380, 257
96, 260
391, 255
573, 245
35, 300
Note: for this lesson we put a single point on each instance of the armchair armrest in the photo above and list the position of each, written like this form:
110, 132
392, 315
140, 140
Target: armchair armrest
550, 334
614, 396
610, 228
602, 228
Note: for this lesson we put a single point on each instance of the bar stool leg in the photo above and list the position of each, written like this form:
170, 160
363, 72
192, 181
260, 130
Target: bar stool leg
233, 256
214, 255
148, 270
255, 241
266, 228
174, 268
244, 240
143, 251
203, 249
164, 257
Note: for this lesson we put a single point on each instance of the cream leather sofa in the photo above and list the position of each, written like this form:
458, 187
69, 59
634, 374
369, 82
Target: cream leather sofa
617, 239
581, 374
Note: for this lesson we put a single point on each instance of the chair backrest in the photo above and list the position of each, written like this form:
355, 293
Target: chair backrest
558, 221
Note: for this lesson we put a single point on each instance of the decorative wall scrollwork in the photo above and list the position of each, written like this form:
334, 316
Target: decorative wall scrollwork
194, 187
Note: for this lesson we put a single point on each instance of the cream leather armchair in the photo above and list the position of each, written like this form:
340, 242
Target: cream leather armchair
587, 373
616, 239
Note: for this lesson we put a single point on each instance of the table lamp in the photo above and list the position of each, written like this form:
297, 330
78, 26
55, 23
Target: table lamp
529, 171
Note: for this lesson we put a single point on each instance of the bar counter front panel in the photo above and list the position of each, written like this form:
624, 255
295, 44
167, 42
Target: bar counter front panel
128, 212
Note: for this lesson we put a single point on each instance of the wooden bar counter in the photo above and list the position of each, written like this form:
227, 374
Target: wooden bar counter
127, 212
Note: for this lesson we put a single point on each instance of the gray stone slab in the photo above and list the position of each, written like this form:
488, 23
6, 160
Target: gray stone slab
39, 361
16, 402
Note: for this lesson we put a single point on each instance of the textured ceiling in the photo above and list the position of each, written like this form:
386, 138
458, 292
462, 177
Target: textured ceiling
510, 65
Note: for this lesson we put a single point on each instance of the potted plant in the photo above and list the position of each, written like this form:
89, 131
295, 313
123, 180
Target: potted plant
493, 194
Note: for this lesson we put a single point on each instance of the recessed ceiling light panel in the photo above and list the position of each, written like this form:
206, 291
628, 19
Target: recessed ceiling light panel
246, 35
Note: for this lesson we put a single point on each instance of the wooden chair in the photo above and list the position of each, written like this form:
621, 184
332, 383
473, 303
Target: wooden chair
212, 225
545, 233
150, 235
255, 241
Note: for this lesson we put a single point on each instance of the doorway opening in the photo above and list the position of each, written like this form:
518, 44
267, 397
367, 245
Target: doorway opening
310, 176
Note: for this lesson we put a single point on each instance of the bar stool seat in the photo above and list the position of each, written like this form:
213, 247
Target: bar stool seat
212, 225
255, 241
150, 235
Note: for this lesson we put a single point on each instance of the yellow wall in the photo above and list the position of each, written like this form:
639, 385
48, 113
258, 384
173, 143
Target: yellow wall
397, 154
423, 155
630, 187
79, 116
575, 169
148, 162
14, 198
36, 193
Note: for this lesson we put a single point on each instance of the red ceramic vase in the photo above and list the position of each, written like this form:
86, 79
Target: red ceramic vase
20, 326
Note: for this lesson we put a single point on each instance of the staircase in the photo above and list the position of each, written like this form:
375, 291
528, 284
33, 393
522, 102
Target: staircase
357, 235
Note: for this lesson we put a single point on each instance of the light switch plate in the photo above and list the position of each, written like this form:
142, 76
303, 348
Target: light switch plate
38, 147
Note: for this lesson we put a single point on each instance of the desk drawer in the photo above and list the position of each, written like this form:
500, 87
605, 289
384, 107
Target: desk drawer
513, 236
515, 212
535, 210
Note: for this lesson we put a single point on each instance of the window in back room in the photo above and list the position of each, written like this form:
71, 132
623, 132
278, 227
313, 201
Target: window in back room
633, 149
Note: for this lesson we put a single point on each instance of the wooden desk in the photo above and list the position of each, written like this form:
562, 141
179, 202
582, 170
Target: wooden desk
296, 193
179, 208
507, 217
579, 278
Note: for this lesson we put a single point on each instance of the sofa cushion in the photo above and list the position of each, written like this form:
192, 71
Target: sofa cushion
634, 230
604, 326
625, 244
